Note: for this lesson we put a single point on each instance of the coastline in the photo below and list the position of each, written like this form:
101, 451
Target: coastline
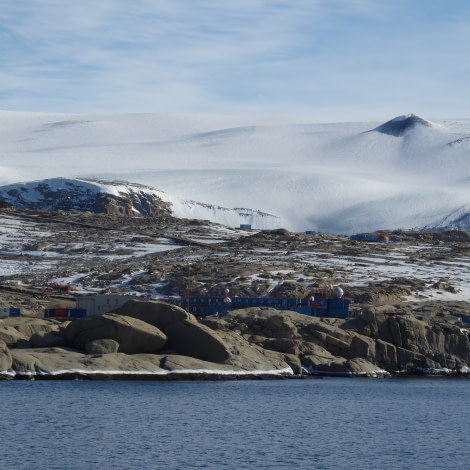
146, 340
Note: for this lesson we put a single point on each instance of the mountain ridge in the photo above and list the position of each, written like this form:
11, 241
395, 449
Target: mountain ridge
116, 198
327, 177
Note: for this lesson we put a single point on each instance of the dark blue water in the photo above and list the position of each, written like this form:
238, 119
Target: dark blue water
297, 424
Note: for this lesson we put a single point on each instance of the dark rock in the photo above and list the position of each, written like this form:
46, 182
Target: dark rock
399, 126
363, 347
386, 355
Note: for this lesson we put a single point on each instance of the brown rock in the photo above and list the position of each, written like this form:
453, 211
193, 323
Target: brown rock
11, 335
5, 357
18, 331
158, 314
196, 340
327, 366
294, 363
252, 357
30, 326
411, 361
386, 355
362, 367
102, 346
57, 361
280, 327
45, 340
133, 335
363, 347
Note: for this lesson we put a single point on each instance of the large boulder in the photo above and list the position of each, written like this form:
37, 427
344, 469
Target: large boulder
30, 326
133, 335
18, 331
158, 314
194, 339
11, 336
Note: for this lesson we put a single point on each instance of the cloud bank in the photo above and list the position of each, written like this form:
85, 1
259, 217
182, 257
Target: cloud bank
330, 59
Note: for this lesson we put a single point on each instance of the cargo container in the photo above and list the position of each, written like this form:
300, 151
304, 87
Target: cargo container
49, 313
64, 313
76, 313
14, 312
370, 237
10, 312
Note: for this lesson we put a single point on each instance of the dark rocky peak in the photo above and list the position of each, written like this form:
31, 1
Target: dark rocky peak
401, 125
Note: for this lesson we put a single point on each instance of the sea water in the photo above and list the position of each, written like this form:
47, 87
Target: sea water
330, 423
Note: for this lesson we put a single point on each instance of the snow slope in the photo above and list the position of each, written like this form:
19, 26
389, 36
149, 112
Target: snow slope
135, 199
409, 172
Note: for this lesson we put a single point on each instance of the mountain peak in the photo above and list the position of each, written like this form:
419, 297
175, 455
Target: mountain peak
400, 125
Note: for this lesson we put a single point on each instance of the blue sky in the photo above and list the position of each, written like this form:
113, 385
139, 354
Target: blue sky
333, 60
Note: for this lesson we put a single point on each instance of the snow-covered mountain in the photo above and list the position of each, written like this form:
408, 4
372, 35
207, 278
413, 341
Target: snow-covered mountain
121, 198
408, 172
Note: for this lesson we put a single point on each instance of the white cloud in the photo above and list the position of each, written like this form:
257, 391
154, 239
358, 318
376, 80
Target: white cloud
249, 56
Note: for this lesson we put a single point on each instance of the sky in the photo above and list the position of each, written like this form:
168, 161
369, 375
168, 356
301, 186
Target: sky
330, 60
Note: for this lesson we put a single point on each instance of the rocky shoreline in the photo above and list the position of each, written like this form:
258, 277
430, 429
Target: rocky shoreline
148, 340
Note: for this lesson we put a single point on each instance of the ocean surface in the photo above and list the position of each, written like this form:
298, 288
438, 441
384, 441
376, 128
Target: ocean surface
329, 423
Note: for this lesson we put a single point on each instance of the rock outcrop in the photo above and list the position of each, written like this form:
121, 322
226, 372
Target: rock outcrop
5, 357
102, 346
370, 344
159, 314
196, 340
133, 336
159, 340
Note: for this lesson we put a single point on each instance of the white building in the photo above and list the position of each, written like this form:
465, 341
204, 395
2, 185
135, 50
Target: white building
99, 304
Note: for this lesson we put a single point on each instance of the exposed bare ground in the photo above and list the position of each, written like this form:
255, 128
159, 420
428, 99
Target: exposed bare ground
423, 273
